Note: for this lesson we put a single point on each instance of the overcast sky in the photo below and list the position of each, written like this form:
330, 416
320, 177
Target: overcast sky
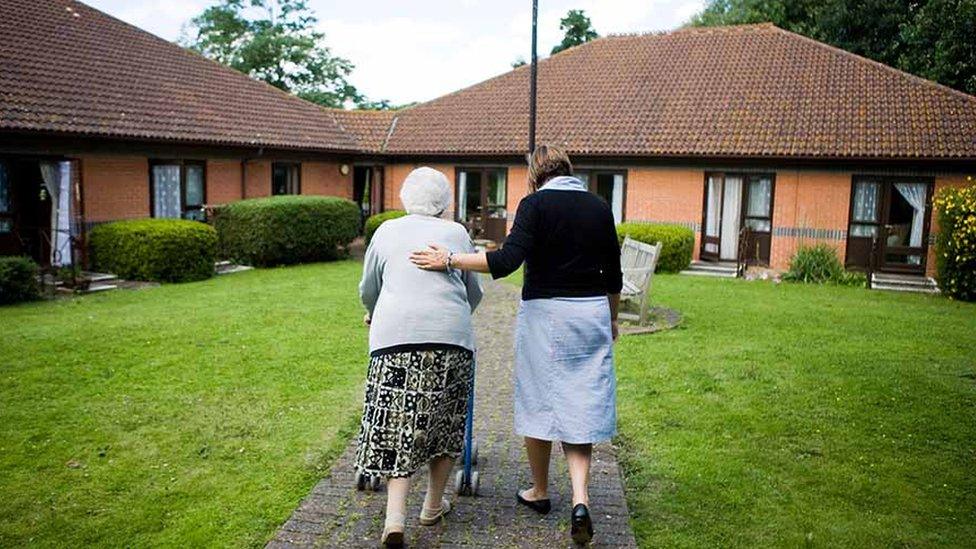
416, 50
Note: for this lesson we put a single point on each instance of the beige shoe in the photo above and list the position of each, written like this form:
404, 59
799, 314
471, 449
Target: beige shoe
430, 517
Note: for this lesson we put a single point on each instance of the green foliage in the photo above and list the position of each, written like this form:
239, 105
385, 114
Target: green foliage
275, 41
578, 30
930, 39
18, 280
282, 230
677, 243
374, 221
160, 250
519, 62
819, 264
955, 248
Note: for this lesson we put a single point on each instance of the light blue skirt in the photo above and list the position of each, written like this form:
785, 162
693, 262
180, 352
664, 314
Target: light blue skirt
565, 387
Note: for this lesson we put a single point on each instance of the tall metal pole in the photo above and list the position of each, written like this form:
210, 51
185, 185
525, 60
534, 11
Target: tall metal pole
533, 76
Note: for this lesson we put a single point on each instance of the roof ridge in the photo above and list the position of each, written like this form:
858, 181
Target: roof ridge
876, 64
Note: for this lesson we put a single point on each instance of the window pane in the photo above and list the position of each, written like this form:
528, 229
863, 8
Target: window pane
713, 207
584, 177
166, 191
866, 195
497, 193
472, 195
194, 185
864, 231
284, 178
760, 196
759, 225
4, 189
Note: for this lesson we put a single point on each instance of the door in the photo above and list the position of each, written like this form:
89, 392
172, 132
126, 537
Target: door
758, 219
481, 202
895, 211
25, 211
722, 217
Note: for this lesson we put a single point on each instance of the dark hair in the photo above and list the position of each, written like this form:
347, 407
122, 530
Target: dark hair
547, 162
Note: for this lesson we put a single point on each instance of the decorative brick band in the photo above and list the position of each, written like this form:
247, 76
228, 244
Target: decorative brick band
804, 232
693, 225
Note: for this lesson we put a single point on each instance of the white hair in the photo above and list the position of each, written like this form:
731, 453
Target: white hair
426, 192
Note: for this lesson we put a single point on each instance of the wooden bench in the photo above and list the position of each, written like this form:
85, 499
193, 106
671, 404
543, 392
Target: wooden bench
637, 262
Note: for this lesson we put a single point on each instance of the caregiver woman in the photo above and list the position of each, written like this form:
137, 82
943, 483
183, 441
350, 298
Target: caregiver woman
567, 322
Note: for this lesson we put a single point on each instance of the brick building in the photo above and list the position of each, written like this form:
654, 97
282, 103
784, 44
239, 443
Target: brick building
756, 138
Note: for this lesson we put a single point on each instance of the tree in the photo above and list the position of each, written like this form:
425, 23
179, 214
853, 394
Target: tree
519, 62
274, 41
931, 39
578, 30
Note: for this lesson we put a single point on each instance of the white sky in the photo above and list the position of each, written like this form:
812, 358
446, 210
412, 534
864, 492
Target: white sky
416, 50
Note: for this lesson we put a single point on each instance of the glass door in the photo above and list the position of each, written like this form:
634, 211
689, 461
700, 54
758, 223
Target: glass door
758, 219
903, 246
711, 226
481, 199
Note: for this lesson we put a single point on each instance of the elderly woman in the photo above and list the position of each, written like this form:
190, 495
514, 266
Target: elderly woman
421, 345
567, 322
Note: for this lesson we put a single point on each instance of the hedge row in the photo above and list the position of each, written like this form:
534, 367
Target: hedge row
677, 243
282, 230
18, 280
161, 250
955, 245
374, 221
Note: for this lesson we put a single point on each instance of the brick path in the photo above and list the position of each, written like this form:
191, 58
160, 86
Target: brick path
336, 515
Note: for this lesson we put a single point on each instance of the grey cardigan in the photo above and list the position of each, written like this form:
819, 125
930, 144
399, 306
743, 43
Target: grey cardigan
409, 305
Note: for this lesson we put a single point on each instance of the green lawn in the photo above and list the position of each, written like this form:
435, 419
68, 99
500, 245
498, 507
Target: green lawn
785, 415
185, 415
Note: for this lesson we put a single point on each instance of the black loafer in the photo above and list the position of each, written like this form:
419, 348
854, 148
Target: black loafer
541, 506
582, 526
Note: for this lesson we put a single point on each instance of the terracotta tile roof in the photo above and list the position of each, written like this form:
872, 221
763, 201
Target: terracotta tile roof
69, 68
753, 90
369, 128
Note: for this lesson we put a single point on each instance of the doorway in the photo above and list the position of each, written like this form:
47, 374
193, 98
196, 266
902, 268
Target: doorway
733, 202
25, 211
481, 197
894, 212
367, 191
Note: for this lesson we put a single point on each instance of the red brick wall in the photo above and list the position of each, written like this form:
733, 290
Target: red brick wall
115, 187
223, 181
672, 195
809, 200
257, 178
324, 178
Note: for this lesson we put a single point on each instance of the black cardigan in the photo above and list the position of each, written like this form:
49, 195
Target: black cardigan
568, 242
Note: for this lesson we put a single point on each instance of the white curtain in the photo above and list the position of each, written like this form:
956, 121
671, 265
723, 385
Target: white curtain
730, 217
866, 201
618, 198
713, 210
914, 194
462, 197
760, 200
166, 191
57, 181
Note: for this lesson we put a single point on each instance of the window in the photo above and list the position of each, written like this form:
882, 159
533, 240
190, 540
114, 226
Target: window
6, 215
759, 203
864, 210
480, 201
178, 189
286, 178
609, 186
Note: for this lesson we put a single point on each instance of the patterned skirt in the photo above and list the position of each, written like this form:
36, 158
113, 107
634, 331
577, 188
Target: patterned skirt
414, 410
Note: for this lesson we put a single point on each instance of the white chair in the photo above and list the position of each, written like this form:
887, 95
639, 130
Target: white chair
637, 262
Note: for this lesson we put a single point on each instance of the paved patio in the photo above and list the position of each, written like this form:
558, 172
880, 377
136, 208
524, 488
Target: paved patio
336, 515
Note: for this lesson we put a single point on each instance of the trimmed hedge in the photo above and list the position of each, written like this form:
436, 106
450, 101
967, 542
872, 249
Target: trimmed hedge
955, 245
677, 243
374, 221
159, 250
18, 280
282, 230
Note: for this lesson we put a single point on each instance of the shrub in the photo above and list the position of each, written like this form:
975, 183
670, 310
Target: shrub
282, 230
955, 245
18, 280
160, 250
677, 243
817, 264
375, 221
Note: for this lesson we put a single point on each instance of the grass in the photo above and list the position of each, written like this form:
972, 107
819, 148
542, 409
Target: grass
791, 415
184, 415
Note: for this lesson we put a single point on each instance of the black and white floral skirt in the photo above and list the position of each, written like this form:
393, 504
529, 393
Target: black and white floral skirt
415, 407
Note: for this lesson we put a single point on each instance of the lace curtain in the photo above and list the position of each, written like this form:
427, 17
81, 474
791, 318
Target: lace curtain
166, 191
57, 181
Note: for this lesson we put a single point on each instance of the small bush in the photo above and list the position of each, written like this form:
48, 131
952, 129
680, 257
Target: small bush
817, 264
677, 243
955, 245
160, 250
282, 230
375, 221
18, 280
